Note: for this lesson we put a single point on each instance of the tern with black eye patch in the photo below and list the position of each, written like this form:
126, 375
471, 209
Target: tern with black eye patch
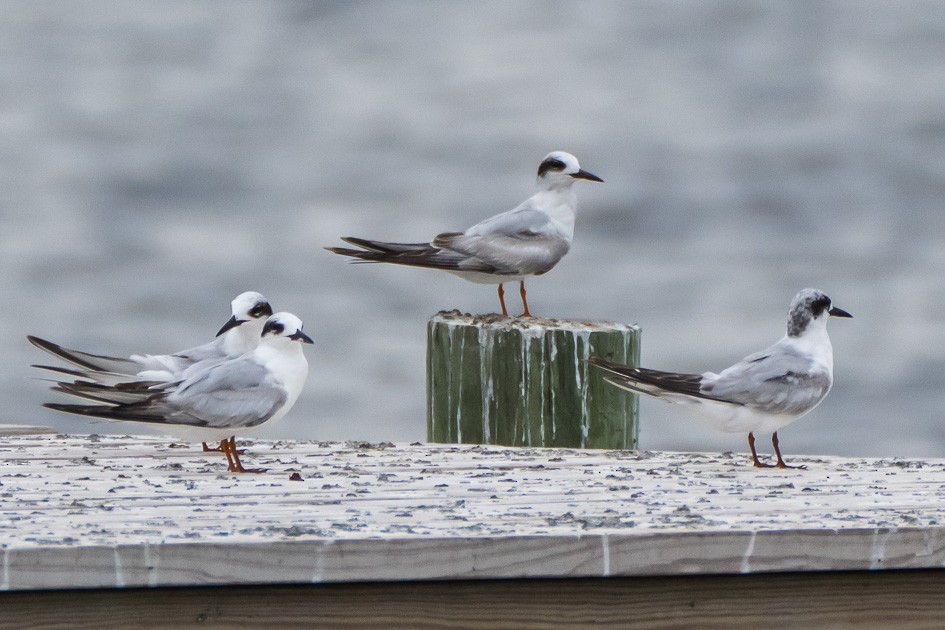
216, 403
761, 393
239, 335
528, 240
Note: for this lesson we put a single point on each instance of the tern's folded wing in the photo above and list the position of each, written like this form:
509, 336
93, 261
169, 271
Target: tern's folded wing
521, 253
218, 410
427, 255
227, 408
780, 381
524, 219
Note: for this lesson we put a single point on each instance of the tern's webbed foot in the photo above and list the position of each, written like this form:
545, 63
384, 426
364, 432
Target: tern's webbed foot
255, 471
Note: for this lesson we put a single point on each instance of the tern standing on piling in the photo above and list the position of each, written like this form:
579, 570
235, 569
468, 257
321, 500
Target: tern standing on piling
761, 393
526, 241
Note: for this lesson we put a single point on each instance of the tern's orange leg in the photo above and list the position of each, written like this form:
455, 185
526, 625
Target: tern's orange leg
505, 313
524, 301
777, 450
237, 465
754, 455
207, 449
225, 449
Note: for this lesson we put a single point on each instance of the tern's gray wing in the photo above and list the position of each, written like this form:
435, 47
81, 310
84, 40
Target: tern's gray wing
236, 393
780, 380
520, 253
523, 219
228, 408
233, 394
777, 381
179, 361
410, 254
522, 241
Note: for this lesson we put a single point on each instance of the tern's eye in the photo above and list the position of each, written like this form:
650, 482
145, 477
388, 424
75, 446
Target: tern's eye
820, 305
276, 328
550, 164
262, 309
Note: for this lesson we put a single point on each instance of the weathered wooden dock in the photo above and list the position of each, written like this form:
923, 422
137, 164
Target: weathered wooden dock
428, 529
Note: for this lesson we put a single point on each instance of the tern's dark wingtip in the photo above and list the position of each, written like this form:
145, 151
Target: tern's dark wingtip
40, 343
344, 251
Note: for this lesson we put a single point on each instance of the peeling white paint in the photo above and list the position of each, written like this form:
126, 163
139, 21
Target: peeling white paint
581, 353
746, 557
605, 553
151, 564
119, 574
459, 387
485, 338
5, 585
878, 551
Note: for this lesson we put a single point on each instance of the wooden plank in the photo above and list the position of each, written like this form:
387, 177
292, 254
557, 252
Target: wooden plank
113, 511
25, 429
524, 382
862, 600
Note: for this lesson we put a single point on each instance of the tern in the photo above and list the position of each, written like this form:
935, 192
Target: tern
238, 335
216, 403
528, 240
761, 393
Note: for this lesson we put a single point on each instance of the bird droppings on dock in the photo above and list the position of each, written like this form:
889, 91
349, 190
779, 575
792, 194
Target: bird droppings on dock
76, 494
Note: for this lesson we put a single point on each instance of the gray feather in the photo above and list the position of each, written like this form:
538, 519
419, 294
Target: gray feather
777, 381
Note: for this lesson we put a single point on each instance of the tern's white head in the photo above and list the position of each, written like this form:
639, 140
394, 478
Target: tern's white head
248, 308
810, 310
559, 170
241, 332
282, 329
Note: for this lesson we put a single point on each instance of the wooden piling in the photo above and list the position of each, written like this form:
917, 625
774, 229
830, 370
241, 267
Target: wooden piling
525, 382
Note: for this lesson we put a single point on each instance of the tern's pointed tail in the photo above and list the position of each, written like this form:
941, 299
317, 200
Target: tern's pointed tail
651, 382
410, 254
86, 360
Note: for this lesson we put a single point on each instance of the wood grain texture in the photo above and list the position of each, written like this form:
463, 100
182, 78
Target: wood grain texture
113, 511
524, 382
862, 600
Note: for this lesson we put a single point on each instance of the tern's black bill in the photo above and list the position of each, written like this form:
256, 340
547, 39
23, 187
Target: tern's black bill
231, 323
838, 312
582, 174
298, 335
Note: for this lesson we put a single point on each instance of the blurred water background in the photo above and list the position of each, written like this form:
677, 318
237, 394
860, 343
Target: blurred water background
157, 158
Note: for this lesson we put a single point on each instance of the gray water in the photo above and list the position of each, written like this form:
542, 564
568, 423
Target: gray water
157, 158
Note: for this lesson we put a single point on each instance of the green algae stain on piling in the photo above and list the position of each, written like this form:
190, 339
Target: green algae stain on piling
525, 382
